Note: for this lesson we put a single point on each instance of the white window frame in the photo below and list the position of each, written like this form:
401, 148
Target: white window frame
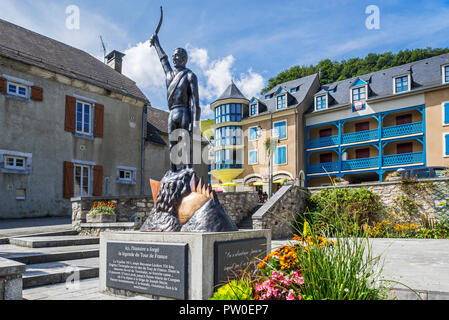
443, 114
249, 133
14, 165
132, 175
277, 101
409, 79
286, 156
89, 165
286, 129
91, 118
249, 157
327, 101
444, 144
443, 73
250, 109
19, 83
358, 87
6, 168
18, 86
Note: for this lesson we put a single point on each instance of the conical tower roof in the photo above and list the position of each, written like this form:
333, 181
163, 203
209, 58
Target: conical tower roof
231, 92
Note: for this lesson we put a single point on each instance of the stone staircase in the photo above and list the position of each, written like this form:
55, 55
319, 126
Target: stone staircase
53, 259
247, 222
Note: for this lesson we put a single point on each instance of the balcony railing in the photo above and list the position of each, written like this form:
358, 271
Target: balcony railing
322, 167
402, 130
227, 165
402, 159
360, 164
360, 136
322, 142
365, 163
355, 137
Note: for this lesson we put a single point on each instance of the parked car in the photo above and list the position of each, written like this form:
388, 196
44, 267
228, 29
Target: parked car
423, 173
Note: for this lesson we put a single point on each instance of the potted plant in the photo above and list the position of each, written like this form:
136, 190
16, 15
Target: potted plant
102, 212
340, 181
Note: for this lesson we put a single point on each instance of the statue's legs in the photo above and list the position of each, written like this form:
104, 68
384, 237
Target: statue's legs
180, 118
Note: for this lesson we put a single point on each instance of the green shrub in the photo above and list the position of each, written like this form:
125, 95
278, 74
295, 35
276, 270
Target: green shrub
344, 208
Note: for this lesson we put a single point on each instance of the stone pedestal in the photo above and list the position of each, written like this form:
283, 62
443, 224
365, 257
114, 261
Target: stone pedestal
175, 265
11, 279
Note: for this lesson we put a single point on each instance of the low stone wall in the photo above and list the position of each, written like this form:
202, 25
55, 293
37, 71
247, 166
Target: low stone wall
128, 209
281, 210
407, 200
94, 229
238, 205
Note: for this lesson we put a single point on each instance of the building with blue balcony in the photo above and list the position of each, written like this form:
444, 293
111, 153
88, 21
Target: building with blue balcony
363, 128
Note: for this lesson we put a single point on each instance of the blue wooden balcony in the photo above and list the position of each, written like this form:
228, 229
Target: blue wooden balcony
403, 159
360, 136
368, 135
357, 164
322, 167
403, 129
322, 142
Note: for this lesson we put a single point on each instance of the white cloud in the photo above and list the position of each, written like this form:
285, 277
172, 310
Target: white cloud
216, 75
250, 83
142, 64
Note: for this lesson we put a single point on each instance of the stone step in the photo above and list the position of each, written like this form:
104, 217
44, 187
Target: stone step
56, 241
58, 272
5, 240
51, 254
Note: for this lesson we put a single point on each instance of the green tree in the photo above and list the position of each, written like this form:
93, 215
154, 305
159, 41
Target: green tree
331, 71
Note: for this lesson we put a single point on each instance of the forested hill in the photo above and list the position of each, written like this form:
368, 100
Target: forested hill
332, 71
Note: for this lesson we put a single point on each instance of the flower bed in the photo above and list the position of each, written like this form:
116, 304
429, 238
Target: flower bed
312, 268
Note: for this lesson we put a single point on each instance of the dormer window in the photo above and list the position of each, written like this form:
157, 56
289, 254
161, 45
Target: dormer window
446, 74
293, 90
253, 109
401, 83
281, 102
359, 94
268, 96
321, 102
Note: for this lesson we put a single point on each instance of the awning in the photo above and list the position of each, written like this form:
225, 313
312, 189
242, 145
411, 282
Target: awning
259, 183
281, 181
228, 185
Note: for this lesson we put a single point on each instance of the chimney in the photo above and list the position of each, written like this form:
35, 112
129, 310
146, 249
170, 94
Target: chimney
114, 60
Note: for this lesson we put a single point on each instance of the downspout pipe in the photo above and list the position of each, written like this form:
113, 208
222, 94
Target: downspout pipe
142, 150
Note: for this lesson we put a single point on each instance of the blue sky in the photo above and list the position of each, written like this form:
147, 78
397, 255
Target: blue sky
247, 41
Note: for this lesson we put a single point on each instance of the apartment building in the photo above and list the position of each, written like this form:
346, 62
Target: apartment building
363, 128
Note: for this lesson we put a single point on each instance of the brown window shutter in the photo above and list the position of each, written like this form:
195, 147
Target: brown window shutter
68, 180
2, 85
37, 93
98, 181
70, 114
99, 121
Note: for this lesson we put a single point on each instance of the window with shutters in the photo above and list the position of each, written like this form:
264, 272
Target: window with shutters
82, 180
84, 118
445, 113
446, 145
280, 155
